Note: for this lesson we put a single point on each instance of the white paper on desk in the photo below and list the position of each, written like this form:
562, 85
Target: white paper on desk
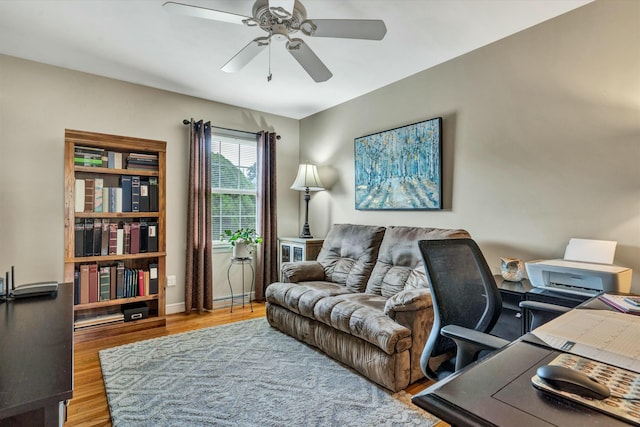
585, 250
603, 335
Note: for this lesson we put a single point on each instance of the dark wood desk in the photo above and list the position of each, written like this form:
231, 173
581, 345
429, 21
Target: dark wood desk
36, 360
497, 391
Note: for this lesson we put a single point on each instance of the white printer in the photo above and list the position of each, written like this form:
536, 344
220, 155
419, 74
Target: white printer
586, 269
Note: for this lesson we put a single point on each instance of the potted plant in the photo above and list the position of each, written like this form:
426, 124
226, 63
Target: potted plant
242, 240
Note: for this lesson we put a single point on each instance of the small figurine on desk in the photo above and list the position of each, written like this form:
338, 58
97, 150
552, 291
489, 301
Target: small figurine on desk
512, 269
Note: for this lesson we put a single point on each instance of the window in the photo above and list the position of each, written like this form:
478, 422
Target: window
233, 183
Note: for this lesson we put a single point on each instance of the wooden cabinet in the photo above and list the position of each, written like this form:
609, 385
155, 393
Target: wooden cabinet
139, 239
291, 249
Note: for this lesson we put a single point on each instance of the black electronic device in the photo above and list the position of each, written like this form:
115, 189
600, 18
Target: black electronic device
49, 288
35, 289
566, 379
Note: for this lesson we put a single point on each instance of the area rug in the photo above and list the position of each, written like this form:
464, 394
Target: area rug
243, 374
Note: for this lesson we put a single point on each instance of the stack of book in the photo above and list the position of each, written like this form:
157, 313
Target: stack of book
88, 156
135, 194
142, 161
94, 283
624, 303
102, 237
104, 319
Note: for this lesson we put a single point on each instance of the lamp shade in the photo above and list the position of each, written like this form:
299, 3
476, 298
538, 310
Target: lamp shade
307, 178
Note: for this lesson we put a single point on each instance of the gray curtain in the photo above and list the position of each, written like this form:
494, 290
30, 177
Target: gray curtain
198, 286
267, 253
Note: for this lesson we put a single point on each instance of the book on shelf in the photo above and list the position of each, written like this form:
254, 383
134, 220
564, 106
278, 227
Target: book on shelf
103, 319
142, 161
78, 238
126, 228
79, 195
89, 188
620, 303
113, 238
141, 284
119, 241
144, 236
88, 156
105, 283
76, 286
144, 195
120, 280
113, 276
97, 238
153, 278
114, 160
152, 239
135, 193
93, 283
88, 237
126, 184
135, 238
97, 194
84, 284
153, 194
104, 248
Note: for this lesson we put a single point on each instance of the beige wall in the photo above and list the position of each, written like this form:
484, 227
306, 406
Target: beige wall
541, 139
37, 103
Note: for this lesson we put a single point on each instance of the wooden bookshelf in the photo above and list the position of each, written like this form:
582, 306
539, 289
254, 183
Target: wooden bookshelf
155, 302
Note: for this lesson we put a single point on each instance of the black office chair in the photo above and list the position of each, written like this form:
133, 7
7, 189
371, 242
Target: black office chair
466, 305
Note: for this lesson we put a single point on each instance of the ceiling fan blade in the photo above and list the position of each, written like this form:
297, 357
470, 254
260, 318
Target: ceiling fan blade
309, 60
203, 12
245, 55
282, 8
367, 29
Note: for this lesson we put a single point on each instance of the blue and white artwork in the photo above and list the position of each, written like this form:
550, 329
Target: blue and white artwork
400, 168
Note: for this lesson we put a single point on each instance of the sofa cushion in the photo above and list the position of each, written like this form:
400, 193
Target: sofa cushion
362, 315
399, 264
348, 254
301, 298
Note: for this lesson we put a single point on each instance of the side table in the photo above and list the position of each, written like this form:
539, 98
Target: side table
242, 262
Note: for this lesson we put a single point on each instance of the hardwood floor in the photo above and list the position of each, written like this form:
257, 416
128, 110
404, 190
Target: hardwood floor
89, 404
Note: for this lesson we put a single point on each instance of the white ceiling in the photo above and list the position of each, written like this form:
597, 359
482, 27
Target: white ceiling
138, 41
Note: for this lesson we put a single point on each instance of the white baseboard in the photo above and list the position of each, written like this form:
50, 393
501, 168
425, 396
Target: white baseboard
219, 302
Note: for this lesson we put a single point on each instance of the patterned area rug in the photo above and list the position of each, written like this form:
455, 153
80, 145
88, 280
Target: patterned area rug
243, 374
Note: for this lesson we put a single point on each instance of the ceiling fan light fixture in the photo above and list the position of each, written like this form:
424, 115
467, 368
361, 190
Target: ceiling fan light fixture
308, 28
281, 19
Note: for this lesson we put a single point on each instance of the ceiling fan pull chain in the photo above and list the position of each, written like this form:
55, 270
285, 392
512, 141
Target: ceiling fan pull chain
269, 76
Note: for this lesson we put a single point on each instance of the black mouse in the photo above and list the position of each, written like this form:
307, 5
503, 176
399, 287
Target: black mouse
572, 381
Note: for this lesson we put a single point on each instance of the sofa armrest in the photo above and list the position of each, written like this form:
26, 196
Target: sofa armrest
302, 271
408, 300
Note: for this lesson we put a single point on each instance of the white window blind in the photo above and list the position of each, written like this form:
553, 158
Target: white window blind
233, 183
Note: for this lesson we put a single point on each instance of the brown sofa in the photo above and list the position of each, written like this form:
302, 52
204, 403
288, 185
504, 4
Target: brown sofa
365, 301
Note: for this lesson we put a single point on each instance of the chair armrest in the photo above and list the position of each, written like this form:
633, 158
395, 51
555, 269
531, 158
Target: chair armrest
470, 343
408, 300
542, 312
543, 306
302, 271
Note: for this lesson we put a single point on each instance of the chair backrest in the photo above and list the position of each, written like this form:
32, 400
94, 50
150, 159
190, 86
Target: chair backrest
463, 290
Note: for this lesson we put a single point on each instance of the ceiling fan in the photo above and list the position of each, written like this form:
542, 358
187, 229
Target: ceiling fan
282, 19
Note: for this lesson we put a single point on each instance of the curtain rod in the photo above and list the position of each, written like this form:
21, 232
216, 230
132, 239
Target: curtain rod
186, 122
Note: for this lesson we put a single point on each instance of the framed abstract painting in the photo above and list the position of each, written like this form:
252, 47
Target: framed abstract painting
401, 168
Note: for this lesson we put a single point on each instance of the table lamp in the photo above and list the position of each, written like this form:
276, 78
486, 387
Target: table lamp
307, 180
